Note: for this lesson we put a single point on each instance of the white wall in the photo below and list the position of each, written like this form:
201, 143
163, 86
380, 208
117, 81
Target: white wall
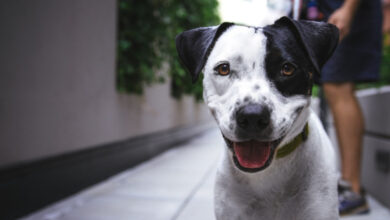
57, 82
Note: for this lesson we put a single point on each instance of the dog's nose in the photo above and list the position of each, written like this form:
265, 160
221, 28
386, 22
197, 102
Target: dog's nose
253, 117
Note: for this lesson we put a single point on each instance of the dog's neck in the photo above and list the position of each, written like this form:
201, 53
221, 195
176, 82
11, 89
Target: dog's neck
294, 144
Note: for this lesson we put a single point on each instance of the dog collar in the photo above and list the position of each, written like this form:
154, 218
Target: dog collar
290, 147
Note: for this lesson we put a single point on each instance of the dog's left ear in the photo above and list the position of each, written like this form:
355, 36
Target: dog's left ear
319, 39
194, 46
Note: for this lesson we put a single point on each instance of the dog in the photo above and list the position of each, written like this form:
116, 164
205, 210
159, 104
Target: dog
278, 162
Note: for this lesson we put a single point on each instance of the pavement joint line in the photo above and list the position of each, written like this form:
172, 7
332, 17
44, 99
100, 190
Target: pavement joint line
194, 190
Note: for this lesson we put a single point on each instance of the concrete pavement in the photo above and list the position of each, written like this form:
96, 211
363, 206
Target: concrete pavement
176, 185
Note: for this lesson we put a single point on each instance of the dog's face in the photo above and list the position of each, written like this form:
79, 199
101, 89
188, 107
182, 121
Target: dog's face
257, 81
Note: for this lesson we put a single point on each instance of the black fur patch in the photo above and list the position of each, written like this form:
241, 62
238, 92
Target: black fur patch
194, 46
305, 44
282, 47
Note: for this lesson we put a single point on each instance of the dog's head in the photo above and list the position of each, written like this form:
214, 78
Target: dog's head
258, 81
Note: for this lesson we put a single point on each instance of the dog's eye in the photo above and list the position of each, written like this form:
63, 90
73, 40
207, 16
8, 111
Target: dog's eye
288, 69
223, 69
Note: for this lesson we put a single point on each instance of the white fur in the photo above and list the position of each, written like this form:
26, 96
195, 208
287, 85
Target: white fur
299, 186
222, 92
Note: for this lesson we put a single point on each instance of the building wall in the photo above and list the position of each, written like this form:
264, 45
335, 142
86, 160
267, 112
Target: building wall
57, 82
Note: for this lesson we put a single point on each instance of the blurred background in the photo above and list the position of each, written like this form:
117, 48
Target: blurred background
89, 88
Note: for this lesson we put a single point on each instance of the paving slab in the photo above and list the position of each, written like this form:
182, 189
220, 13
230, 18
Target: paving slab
176, 185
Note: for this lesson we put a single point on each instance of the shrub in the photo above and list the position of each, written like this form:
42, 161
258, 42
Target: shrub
146, 39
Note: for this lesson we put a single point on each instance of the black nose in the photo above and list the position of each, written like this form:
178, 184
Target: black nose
253, 117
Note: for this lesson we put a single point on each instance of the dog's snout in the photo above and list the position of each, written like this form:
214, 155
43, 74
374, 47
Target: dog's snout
253, 117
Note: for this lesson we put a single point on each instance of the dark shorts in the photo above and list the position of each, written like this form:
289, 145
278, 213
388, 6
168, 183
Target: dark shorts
358, 56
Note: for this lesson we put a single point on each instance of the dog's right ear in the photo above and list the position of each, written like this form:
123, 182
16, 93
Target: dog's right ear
194, 46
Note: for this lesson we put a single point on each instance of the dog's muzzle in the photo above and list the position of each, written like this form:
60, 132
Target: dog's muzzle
252, 156
253, 118
252, 121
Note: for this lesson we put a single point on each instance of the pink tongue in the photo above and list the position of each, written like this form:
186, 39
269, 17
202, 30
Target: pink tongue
252, 154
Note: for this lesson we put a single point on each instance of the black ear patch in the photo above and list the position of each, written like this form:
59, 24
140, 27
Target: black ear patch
194, 46
319, 39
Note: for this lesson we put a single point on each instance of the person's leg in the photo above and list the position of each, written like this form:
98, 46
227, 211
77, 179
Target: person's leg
349, 123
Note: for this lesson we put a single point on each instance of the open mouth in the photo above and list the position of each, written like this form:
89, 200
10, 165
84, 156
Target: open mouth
252, 156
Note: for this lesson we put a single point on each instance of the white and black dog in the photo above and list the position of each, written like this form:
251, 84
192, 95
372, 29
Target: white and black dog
278, 162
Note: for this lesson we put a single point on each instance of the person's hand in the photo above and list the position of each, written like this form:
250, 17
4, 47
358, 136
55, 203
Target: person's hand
343, 18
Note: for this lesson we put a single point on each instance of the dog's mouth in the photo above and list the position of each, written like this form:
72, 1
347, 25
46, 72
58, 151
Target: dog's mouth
252, 156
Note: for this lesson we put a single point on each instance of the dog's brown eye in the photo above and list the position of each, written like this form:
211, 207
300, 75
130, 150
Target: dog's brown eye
288, 69
223, 69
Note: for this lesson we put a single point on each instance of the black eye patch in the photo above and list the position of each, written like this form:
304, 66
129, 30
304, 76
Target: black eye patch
308, 44
282, 48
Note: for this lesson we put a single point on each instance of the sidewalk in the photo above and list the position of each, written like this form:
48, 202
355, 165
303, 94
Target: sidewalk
177, 185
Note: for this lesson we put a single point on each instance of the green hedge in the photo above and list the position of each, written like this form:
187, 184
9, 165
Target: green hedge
146, 39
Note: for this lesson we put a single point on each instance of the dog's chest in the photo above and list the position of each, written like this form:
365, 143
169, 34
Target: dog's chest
276, 193
277, 209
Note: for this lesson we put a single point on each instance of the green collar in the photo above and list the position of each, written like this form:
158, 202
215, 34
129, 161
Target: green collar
290, 147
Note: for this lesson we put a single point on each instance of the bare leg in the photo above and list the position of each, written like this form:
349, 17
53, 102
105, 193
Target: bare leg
349, 124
